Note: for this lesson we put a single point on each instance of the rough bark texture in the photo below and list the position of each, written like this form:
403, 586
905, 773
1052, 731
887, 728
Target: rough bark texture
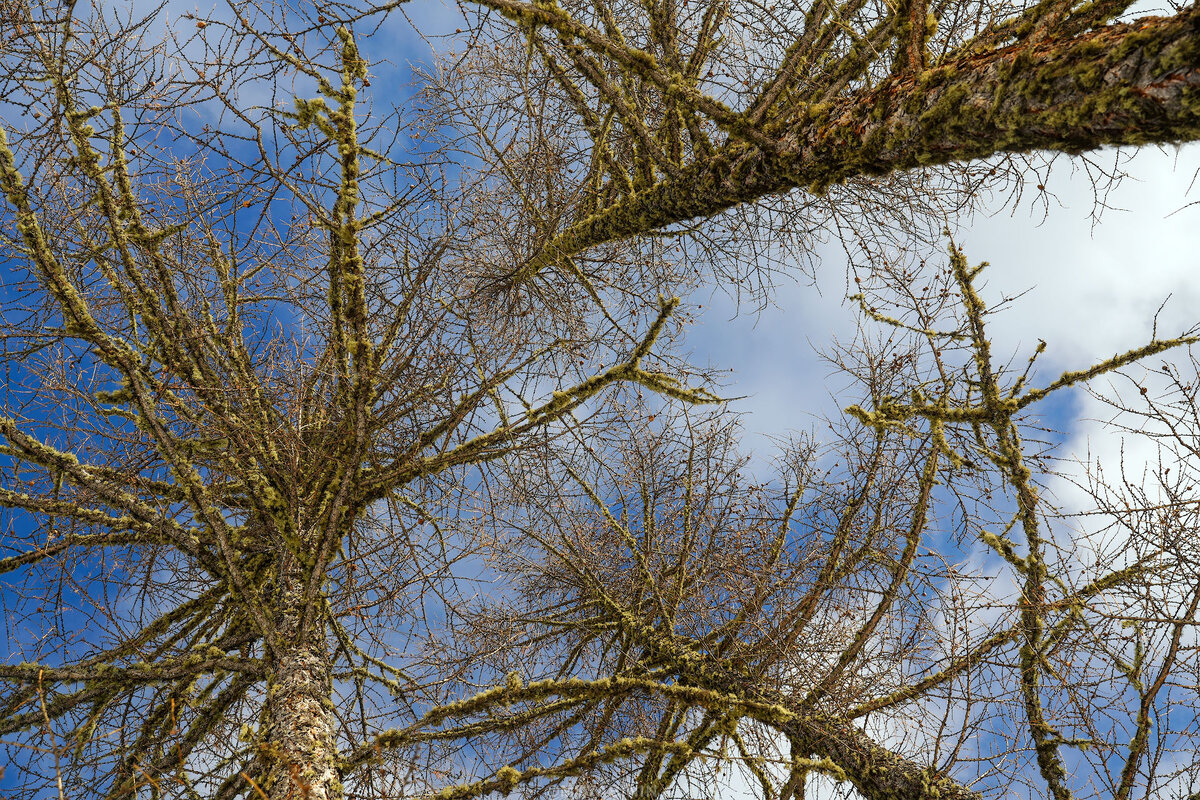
1135, 83
874, 770
299, 750
877, 773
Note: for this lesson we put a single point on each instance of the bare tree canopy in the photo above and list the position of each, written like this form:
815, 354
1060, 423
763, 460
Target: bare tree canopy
349, 446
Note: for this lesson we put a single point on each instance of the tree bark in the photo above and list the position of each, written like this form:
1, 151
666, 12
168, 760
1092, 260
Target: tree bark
877, 773
1135, 83
299, 749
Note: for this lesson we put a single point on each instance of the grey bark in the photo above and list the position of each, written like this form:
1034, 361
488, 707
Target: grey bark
298, 749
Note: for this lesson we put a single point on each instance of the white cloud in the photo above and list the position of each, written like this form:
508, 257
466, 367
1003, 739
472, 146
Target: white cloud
1091, 289
774, 369
1094, 288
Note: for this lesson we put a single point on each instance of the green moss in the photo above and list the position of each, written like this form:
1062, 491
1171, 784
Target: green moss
508, 778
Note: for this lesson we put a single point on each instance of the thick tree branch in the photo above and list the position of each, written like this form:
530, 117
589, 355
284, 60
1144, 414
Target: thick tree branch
1128, 84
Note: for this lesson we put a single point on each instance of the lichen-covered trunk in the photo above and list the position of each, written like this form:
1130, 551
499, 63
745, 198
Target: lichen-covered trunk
877, 773
1128, 83
299, 750
848, 752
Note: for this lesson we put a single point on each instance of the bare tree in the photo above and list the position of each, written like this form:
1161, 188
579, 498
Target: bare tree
763, 625
347, 453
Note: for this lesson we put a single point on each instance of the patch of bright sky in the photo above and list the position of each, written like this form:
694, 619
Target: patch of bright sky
1090, 289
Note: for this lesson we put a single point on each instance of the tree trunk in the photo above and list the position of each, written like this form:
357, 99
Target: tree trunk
299, 751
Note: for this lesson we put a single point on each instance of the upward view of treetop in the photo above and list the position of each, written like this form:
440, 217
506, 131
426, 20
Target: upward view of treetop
350, 448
